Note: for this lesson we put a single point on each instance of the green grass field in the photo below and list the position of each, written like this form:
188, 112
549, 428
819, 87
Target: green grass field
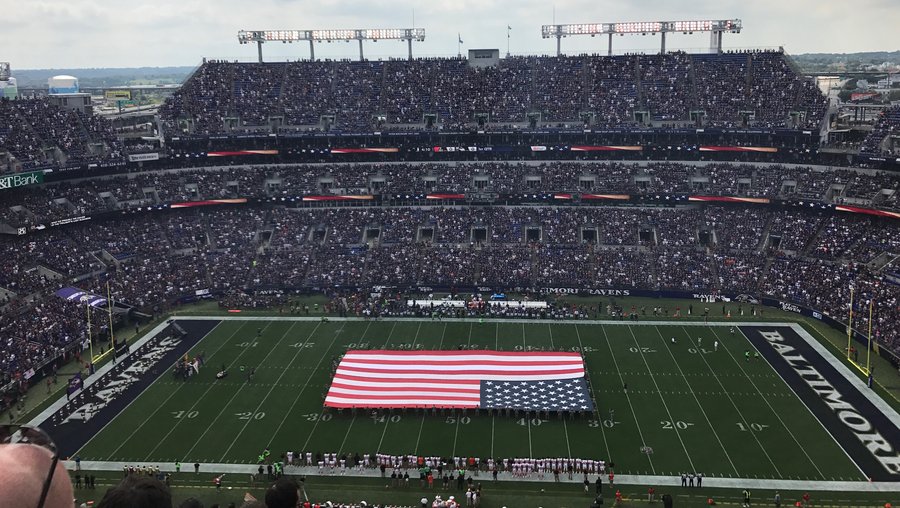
699, 409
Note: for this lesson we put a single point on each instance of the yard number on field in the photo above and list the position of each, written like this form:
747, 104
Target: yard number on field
185, 414
535, 422
462, 419
641, 350
385, 418
702, 350
249, 415
316, 417
305, 345
248, 344
606, 423
680, 424
753, 426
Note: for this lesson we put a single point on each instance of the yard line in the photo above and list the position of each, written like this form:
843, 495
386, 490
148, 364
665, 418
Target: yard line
203, 397
316, 424
663, 399
596, 407
568, 448
425, 411
347, 434
272, 388
493, 416
766, 400
456, 433
550, 329
525, 347
627, 396
387, 421
697, 400
135, 431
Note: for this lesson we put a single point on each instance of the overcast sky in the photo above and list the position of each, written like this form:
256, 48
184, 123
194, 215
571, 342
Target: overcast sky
107, 33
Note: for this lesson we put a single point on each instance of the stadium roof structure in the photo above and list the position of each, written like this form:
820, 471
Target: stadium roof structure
365, 34
715, 27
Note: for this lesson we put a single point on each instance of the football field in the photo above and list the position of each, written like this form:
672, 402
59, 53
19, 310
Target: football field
687, 406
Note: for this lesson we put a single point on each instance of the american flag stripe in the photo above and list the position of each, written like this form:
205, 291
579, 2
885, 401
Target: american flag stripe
472, 372
394, 379
342, 388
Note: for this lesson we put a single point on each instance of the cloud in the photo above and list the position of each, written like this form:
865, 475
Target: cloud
106, 33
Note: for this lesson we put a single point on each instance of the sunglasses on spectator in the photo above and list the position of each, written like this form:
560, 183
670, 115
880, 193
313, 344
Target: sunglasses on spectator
25, 434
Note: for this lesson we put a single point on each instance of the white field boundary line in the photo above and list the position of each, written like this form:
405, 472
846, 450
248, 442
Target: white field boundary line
657, 480
816, 418
854, 380
90, 380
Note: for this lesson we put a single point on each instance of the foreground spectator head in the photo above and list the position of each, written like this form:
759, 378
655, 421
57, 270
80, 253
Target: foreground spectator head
284, 493
25, 470
137, 492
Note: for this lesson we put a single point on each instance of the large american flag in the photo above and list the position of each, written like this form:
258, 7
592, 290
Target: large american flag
545, 381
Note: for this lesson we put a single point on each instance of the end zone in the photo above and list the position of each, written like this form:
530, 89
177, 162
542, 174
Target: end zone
861, 423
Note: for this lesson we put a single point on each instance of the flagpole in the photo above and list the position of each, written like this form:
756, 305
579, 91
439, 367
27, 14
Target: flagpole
508, 28
112, 335
850, 325
90, 339
869, 354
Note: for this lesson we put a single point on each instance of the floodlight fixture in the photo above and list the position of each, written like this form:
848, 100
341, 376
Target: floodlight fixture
365, 34
716, 27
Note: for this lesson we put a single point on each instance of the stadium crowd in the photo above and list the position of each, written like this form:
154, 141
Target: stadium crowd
37, 133
888, 124
354, 95
43, 204
154, 260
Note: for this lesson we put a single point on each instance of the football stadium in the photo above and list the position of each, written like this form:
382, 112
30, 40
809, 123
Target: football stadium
666, 277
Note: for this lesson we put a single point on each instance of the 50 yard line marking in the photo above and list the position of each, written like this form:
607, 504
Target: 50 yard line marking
627, 397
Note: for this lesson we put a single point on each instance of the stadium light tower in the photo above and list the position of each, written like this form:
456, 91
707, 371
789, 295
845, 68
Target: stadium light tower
715, 27
366, 34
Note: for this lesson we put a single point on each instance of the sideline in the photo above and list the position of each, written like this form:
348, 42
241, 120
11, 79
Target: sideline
656, 480
473, 320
